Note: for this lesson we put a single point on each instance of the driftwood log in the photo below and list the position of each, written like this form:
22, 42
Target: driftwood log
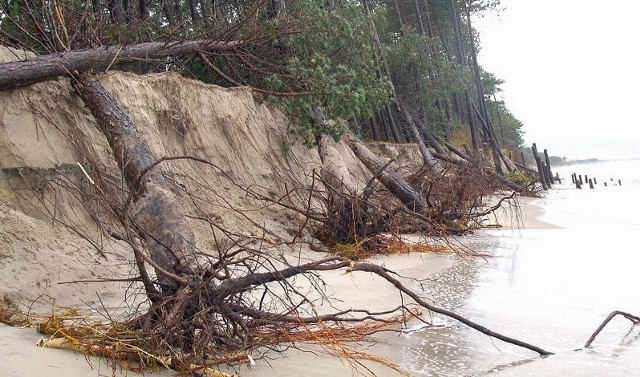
634, 319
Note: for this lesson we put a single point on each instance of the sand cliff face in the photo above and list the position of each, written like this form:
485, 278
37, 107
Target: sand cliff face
48, 231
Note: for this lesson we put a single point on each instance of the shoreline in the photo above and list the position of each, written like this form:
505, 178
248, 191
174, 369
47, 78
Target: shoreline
525, 213
21, 357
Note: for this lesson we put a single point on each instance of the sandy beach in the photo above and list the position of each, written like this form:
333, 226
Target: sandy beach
20, 356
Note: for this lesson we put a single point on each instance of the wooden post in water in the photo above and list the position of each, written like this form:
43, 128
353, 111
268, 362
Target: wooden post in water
580, 177
591, 184
619, 182
578, 184
543, 181
605, 184
546, 161
595, 182
545, 173
573, 178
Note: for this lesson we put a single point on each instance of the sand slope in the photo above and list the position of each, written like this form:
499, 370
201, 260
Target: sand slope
52, 252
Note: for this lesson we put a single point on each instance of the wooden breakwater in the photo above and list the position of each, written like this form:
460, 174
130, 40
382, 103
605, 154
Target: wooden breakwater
580, 180
544, 168
546, 177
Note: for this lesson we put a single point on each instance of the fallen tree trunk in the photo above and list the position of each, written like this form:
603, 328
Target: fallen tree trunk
23, 73
393, 181
157, 214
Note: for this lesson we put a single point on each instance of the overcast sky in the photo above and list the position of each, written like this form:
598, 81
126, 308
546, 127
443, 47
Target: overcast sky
571, 70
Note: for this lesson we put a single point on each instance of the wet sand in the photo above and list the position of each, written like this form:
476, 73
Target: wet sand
19, 356
526, 213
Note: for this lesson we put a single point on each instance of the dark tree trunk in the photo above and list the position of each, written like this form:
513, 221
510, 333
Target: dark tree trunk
427, 17
460, 57
391, 125
167, 9
116, 9
132, 8
157, 212
375, 128
177, 11
46, 67
419, 17
400, 16
194, 11
393, 181
459, 109
204, 8
143, 8
473, 125
540, 166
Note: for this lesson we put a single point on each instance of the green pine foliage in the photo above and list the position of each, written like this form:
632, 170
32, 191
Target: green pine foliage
320, 55
333, 61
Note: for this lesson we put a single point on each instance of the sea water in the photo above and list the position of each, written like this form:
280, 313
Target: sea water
549, 287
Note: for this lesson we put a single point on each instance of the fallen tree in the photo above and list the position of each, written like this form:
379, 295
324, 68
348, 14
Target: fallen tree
46, 67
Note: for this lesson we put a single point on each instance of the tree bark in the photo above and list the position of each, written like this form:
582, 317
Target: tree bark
427, 157
540, 166
393, 181
116, 10
460, 58
23, 73
157, 212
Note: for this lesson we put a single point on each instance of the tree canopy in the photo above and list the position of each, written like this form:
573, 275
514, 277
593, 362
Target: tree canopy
303, 55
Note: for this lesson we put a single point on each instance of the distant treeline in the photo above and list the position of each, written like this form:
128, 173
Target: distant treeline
555, 160
563, 161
